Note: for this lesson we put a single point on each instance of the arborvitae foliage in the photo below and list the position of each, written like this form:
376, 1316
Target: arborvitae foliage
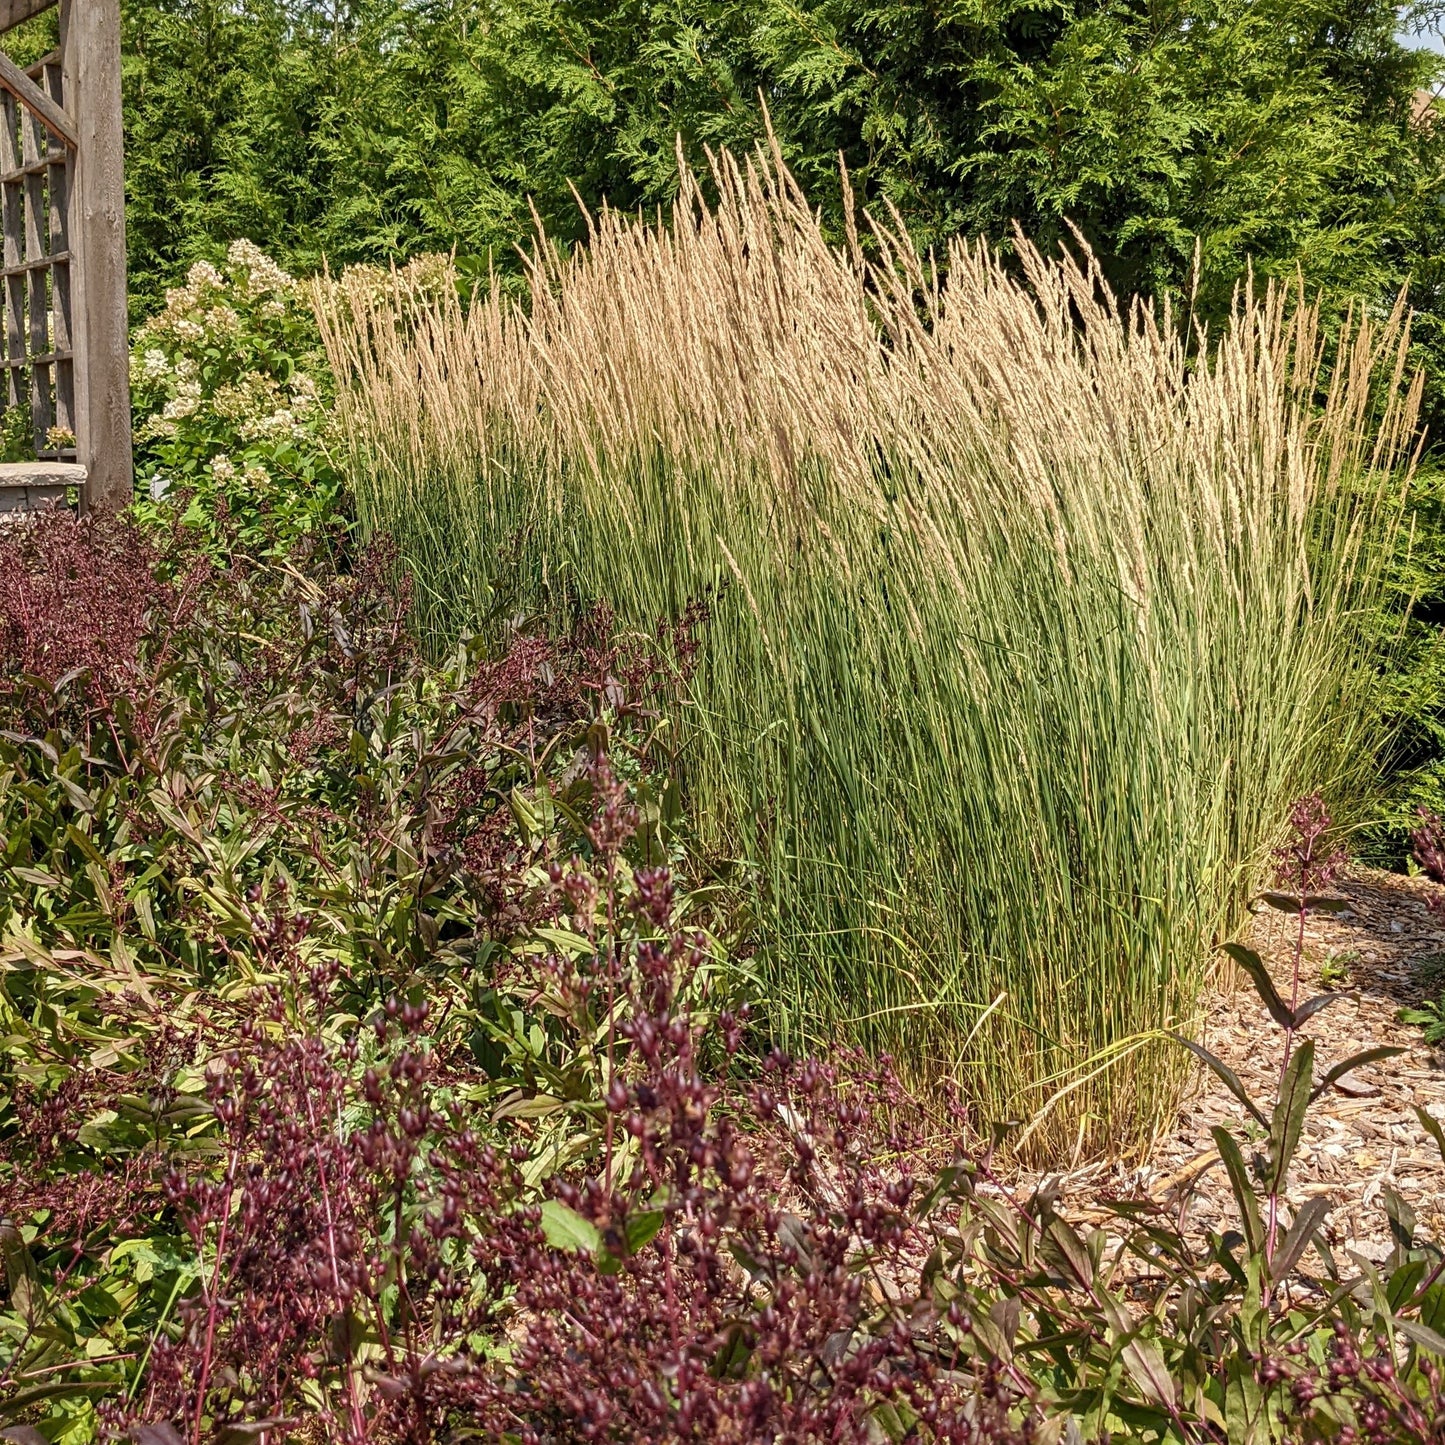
1277, 131
1282, 133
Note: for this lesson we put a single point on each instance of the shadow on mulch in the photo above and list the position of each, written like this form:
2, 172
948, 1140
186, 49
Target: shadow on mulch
1389, 946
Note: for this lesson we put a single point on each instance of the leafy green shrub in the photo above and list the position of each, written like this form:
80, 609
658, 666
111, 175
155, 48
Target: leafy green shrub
270, 724
1427, 841
1429, 1016
17, 441
196, 760
229, 388
1278, 133
1413, 690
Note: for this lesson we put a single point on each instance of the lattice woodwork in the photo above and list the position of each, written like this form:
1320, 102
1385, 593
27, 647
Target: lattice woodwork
39, 361
64, 350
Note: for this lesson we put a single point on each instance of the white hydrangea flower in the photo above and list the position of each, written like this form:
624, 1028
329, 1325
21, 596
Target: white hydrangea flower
223, 469
303, 394
243, 254
251, 266
256, 476
185, 402
201, 277
154, 365
223, 319
156, 427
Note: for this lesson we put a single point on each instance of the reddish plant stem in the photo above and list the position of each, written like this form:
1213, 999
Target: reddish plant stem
213, 1295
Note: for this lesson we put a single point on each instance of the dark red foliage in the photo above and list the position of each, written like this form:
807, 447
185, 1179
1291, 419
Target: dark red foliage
85, 619
347, 637
542, 681
734, 1252
1428, 844
539, 696
82, 1202
76, 593
1309, 862
728, 1299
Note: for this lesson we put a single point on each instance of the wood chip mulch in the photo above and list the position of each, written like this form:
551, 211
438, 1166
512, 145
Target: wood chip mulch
1386, 952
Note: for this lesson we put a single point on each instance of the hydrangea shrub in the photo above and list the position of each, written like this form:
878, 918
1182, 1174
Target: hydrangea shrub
229, 388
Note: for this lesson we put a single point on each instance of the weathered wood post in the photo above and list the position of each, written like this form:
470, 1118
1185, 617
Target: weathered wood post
62, 210
90, 57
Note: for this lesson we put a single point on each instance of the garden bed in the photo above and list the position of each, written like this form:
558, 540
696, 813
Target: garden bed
384, 1051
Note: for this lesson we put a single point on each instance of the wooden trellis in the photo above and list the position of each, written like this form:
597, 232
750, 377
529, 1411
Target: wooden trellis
65, 348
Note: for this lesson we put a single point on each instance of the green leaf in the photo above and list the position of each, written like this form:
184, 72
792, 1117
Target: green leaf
1228, 1077
101, 1303
1403, 1282
1313, 902
141, 902
891, 1422
1432, 1126
733, 1354
1420, 1017
956, 1178
38, 878
1253, 965
991, 1336
21, 1276
1145, 1363
1244, 1195
565, 1229
749, 1262
523, 1106
1243, 1404
642, 1228
524, 813
573, 945
1302, 1230
1064, 1247
1289, 1113
248, 1430
1402, 1218
1253, 1311
161, 1434
1355, 1061
1311, 1006
1421, 1335
22, 1400
1432, 1307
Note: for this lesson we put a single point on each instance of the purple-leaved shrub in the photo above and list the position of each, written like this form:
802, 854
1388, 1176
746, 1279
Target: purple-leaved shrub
380, 1066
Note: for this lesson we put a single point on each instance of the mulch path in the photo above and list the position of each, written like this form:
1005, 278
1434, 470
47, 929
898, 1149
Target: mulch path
1386, 952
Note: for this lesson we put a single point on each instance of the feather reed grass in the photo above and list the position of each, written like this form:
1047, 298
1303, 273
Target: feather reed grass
1028, 621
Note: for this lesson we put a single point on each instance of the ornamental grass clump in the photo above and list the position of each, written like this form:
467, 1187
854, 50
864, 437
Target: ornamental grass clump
1028, 616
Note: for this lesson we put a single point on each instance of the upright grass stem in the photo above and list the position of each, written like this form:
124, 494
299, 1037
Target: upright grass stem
1026, 625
